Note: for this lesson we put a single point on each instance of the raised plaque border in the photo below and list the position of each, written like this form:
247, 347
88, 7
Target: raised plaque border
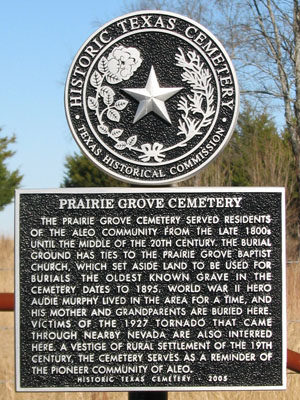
62, 191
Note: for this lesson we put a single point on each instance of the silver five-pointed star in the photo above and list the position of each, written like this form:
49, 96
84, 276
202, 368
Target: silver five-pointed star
152, 98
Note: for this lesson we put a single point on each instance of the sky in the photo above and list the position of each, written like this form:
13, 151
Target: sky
38, 41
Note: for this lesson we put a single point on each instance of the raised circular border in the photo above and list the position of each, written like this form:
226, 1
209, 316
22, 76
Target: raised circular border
179, 177
165, 162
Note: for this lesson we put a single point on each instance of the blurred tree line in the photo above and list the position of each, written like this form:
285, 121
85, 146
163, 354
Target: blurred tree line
9, 180
257, 155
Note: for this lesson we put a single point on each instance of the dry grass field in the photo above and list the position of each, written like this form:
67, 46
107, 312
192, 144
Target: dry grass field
7, 390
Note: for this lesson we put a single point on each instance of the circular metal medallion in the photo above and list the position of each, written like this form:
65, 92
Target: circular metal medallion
152, 97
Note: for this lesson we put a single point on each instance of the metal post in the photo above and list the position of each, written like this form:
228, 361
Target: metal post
148, 395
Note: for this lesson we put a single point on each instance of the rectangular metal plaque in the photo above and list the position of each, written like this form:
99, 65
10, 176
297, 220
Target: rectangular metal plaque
150, 289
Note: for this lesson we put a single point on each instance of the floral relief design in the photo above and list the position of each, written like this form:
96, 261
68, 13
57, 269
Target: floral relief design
120, 65
123, 62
